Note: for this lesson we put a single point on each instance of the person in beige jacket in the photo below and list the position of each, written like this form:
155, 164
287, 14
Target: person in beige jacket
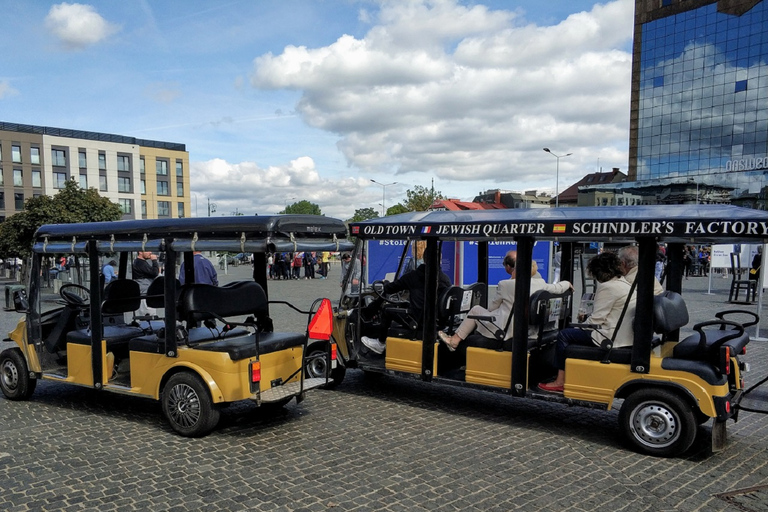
610, 296
500, 308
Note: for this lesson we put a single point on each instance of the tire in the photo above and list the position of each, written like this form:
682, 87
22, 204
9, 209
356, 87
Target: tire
657, 422
14, 375
188, 406
317, 364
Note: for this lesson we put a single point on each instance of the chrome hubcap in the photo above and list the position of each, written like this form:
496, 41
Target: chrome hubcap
184, 405
655, 425
10, 375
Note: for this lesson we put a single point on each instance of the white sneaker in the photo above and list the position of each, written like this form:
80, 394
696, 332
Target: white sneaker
373, 344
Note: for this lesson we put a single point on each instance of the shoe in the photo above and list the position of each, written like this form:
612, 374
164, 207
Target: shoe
445, 338
373, 344
550, 387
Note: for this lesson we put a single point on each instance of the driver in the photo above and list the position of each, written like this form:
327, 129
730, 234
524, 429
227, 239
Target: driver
415, 283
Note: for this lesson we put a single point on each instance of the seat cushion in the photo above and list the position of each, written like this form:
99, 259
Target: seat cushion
243, 347
114, 334
689, 347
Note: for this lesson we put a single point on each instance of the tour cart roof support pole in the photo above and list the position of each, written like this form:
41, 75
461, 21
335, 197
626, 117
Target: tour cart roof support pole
122, 269
643, 327
170, 292
189, 267
96, 323
260, 273
674, 279
522, 313
432, 260
566, 261
482, 268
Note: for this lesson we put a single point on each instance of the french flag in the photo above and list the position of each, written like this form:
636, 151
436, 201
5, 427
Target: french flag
426, 230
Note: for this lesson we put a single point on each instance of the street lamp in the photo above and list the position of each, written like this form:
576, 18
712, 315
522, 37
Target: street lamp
557, 176
383, 193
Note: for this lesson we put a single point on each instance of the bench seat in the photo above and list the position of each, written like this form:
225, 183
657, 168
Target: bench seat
237, 347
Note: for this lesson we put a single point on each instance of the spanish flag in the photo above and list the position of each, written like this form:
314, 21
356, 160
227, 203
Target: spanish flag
559, 228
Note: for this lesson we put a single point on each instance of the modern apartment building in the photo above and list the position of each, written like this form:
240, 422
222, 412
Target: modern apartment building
699, 108
148, 179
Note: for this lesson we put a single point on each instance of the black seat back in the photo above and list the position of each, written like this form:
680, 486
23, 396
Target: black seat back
455, 302
121, 296
669, 312
199, 302
156, 292
549, 312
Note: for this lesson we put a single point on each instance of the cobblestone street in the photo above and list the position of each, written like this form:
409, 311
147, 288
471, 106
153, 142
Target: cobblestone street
374, 443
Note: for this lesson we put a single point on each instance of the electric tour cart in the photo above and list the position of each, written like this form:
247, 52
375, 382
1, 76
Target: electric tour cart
204, 347
669, 383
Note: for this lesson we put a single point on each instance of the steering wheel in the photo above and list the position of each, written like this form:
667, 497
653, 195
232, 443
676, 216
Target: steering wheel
378, 289
75, 295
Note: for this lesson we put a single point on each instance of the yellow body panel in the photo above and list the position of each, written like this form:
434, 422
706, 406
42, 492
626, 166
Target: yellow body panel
597, 382
79, 364
19, 335
280, 365
404, 355
489, 367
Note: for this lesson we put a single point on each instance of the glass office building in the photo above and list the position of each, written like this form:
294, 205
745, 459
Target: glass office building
700, 95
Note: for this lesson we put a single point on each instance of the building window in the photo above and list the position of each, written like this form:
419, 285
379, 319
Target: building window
2, 200
2, 179
18, 178
58, 158
141, 165
179, 189
83, 181
82, 160
123, 163
59, 179
162, 167
16, 154
37, 179
103, 183
741, 86
18, 199
163, 208
123, 184
180, 209
126, 206
143, 208
179, 168
102, 162
143, 185
162, 188
34, 155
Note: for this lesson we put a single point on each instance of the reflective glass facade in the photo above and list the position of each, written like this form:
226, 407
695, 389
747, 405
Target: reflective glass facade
702, 97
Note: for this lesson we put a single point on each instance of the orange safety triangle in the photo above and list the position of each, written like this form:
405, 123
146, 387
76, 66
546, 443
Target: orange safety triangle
321, 326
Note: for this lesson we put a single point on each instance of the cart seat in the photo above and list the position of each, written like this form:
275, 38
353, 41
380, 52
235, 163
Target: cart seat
238, 348
691, 347
117, 336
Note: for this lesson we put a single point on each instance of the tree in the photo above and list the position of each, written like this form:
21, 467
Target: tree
364, 214
420, 198
398, 208
72, 204
302, 207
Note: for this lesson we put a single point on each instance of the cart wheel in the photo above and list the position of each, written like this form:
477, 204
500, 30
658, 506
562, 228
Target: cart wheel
657, 422
14, 375
317, 363
188, 405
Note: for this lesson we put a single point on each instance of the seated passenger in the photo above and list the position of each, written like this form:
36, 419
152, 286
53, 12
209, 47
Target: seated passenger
415, 282
610, 297
628, 261
501, 307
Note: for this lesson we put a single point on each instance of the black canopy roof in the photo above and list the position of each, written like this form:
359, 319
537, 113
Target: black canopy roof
702, 223
240, 233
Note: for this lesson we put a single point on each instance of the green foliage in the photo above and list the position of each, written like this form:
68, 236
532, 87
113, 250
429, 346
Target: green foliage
72, 204
364, 214
398, 208
420, 198
302, 207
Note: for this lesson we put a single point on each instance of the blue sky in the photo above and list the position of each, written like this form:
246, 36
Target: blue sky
279, 101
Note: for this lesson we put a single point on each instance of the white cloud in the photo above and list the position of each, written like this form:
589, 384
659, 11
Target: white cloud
247, 188
6, 90
467, 93
78, 25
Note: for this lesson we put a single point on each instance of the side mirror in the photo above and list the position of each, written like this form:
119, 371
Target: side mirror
20, 302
